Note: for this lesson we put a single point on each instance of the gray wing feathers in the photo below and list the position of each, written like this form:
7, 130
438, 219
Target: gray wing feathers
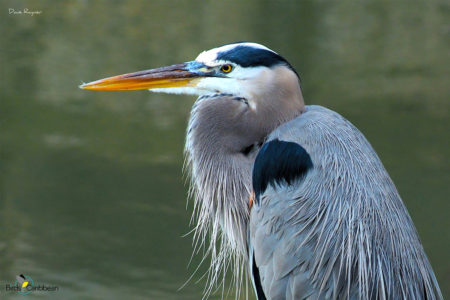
342, 231
283, 268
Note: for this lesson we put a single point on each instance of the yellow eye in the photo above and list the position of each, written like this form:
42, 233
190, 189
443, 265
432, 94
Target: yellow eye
226, 68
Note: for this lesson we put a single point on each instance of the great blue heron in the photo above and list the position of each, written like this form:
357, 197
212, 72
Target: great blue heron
295, 194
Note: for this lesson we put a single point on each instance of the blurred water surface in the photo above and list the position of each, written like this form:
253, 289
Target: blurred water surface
92, 197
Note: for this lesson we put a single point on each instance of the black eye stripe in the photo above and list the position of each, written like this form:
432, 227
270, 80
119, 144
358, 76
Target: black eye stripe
247, 56
251, 57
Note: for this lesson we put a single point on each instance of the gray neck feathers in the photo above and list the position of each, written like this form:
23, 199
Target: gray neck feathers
220, 185
224, 135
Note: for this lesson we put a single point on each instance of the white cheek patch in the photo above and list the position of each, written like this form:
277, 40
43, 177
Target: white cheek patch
185, 90
220, 85
246, 73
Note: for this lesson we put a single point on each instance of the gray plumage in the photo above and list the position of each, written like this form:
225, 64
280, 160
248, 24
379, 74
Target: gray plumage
342, 231
327, 221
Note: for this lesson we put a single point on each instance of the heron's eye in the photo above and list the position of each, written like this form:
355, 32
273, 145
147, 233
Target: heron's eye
226, 68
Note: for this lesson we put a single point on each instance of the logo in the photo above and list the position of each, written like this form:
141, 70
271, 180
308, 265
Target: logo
24, 285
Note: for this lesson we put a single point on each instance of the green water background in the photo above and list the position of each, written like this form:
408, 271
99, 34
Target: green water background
92, 197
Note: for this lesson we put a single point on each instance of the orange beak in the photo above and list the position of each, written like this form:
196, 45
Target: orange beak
179, 75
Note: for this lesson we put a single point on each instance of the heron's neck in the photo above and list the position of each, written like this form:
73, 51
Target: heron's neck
221, 184
221, 174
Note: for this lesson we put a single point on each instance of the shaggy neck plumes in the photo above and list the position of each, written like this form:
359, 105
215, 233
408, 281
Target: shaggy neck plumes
220, 185
224, 135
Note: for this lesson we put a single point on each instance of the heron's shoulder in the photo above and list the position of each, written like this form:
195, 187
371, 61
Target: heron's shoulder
279, 162
316, 124
314, 115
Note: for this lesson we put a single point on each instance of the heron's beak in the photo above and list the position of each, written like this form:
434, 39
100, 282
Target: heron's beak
179, 75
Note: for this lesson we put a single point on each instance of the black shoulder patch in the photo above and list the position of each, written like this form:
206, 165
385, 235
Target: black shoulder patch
279, 161
247, 56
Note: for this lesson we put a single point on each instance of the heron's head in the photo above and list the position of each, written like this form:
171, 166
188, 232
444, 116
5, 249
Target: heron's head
264, 83
246, 70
